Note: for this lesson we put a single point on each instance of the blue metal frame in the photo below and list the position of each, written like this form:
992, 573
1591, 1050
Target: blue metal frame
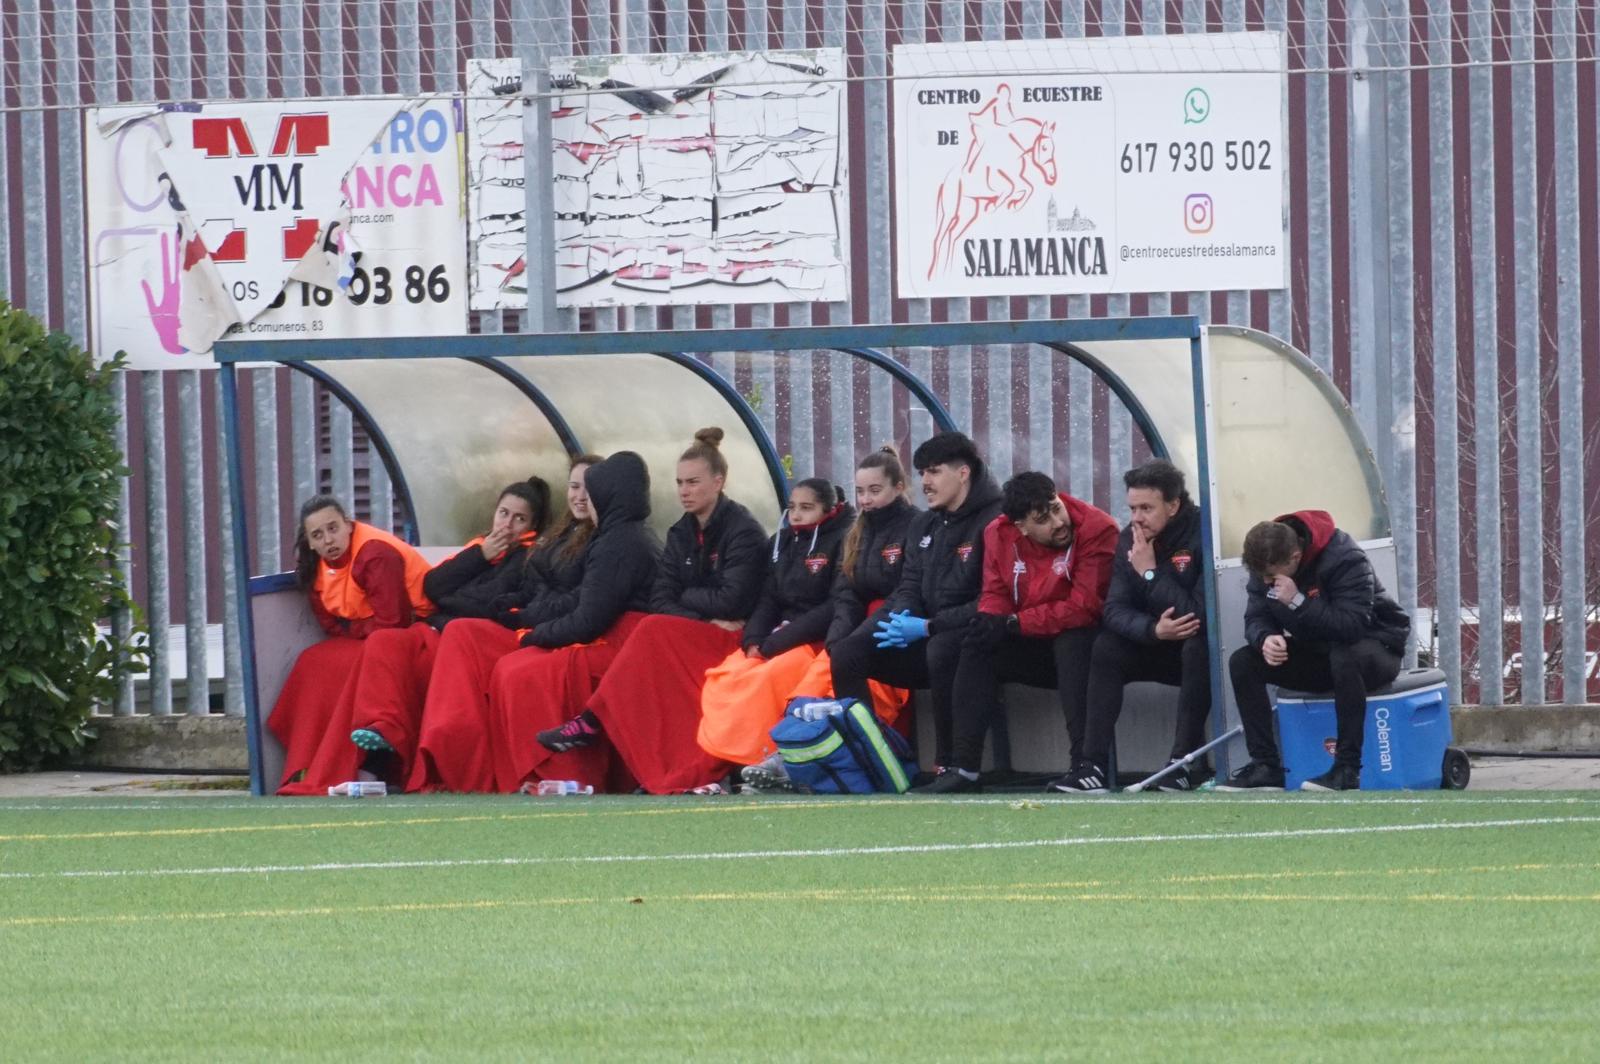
730, 394
241, 577
859, 341
552, 413
397, 476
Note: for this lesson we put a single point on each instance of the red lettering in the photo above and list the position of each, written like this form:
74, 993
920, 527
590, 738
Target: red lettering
300, 134
221, 137
299, 238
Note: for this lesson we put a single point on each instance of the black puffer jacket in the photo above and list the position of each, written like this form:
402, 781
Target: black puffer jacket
549, 581
879, 564
796, 602
468, 585
1134, 604
619, 561
1344, 600
712, 574
944, 561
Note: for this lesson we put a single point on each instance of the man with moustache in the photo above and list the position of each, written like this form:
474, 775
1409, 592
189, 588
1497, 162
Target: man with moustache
1046, 568
914, 639
1152, 628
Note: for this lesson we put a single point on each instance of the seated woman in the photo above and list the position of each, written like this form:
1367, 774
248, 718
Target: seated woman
744, 696
360, 580
564, 657
394, 673
449, 752
707, 581
873, 559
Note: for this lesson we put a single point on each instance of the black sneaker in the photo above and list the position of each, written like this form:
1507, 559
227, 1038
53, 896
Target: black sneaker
1338, 778
949, 781
1256, 776
1178, 781
575, 734
1086, 777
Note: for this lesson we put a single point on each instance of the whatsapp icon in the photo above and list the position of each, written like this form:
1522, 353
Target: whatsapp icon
1196, 107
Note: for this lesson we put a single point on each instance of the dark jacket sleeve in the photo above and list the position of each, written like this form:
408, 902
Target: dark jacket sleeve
907, 594
381, 573
1127, 611
1342, 610
848, 609
1259, 620
666, 593
616, 567
1179, 591
729, 593
809, 627
954, 618
453, 574
768, 611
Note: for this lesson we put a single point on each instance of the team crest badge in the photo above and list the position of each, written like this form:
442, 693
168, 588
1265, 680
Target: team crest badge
1059, 566
816, 563
964, 551
891, 554
715, 556
1181, 560
1312, 593
1331, 745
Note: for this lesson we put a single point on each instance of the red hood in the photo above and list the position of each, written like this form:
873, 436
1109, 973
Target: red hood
1319, 523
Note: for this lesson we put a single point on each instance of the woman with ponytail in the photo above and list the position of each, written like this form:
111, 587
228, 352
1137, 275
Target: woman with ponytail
745, 694
707, 582
392, 682
443, 745
360, 580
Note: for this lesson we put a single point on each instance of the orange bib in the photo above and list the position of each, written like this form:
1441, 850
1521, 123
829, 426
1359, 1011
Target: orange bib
343, 597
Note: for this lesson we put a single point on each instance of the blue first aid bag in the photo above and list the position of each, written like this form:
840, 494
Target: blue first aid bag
840, 747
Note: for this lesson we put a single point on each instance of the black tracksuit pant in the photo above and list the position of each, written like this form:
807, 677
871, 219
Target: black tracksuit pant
929, 663
1349, 670
1119, 661
1061, 662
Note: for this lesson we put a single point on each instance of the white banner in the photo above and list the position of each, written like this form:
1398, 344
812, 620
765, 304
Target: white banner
680, 179
1136, 164
334, 219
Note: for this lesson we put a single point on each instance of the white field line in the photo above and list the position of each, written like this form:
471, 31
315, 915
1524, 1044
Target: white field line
756, 855
413, 802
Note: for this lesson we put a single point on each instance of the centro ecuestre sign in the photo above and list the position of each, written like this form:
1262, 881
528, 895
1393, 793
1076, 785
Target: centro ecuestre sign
1084, 166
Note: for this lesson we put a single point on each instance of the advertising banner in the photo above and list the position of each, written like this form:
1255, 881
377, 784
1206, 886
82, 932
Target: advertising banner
1137, 164
678, 179
335, 219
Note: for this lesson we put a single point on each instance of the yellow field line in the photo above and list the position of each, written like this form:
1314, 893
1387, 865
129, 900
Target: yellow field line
895, 895
325, 825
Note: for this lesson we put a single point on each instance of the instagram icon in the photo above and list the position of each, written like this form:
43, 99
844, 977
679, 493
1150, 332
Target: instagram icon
1197, 213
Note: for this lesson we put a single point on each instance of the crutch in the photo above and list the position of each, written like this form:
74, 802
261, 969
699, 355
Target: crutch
1185, 761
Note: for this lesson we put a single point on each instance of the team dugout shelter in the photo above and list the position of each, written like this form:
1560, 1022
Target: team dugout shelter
1256, 427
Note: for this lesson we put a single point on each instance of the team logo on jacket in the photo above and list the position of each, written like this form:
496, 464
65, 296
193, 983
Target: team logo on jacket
891, 554
1181, 560
927, 541
964, 551
1313, 592
1331, 745
1059, 566
816, 563
715, 555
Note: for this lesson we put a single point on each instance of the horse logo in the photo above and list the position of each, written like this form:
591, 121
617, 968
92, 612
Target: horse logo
1002, 150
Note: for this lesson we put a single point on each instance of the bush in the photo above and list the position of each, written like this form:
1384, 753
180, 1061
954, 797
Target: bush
59, 473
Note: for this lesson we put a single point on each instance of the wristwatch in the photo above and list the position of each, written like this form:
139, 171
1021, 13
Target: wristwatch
1150, 574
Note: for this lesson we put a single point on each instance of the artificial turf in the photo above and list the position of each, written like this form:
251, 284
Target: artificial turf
1399, 927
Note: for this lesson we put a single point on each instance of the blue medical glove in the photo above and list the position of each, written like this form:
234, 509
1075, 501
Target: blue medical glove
913, 628
888, 634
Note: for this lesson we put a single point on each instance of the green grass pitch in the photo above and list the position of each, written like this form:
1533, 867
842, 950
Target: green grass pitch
1004, 928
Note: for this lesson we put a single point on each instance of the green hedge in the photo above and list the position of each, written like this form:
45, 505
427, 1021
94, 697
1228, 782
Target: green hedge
59, 482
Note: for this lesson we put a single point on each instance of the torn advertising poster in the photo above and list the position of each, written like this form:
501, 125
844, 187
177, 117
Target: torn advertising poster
678, 179
339, 219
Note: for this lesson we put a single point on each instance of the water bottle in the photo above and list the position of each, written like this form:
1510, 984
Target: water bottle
560, 787
359, 789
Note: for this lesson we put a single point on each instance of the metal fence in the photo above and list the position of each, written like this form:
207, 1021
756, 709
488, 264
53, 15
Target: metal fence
1445, 258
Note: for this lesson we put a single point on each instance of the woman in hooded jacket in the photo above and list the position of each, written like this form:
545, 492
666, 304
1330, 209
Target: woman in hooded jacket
447, 734
707, 582
745, 694
564, 657
360, 580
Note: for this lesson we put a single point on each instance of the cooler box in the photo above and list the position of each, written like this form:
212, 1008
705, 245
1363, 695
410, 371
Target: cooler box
1408, 731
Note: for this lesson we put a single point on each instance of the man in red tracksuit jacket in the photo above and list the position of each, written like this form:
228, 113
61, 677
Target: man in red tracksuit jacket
1046, 567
